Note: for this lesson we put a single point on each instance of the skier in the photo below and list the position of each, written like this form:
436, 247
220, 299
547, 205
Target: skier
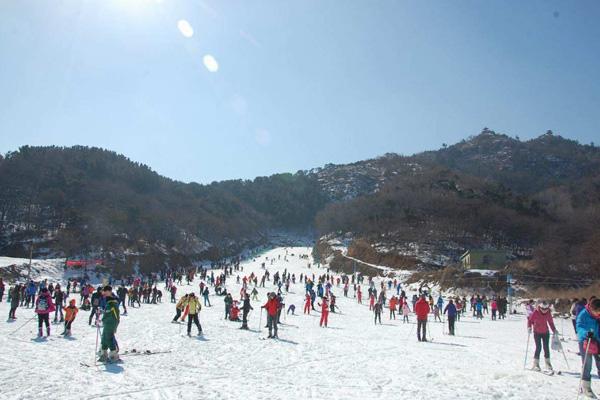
95, 304
194, 308
70, 314
110, 322
228, 300
179, 307
205, 297
539, 321
436, 314
393, 303
451, 311
588, 335
246, 307
422, 309
324, 312
43, 307
494, 305
15, 297
405, 311
307, 302
377, 308
272, 308
59, 297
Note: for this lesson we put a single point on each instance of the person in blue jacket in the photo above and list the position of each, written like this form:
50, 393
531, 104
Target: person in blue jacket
440, 302
588, 331
451, 311
31, 292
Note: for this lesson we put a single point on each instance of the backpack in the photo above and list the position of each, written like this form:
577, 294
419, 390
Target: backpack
42, 304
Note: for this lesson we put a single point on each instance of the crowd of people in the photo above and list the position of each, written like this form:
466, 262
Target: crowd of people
49, 299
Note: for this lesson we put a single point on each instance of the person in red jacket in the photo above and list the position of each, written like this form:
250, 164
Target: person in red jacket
422, 309
272, 307
371, 301
324, 312
307, 304
538, 321
393, 303
359, 295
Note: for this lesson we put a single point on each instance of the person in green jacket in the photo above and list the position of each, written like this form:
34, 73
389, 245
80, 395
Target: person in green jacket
110, 322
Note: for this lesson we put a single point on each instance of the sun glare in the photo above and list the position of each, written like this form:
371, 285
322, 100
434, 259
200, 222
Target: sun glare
210, 63
185, 28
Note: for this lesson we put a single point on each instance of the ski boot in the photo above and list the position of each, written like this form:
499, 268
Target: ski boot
536, 365
48, 331
40, 333
103, 356
586, 390
113, 357
548, 365
68, 333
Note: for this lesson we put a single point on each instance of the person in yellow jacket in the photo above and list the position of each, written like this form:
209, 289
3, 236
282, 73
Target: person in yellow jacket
193, 309
179, 307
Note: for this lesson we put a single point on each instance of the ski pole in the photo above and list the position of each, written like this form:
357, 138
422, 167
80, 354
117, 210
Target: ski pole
25, 323
97, 335
260, 322
526, 350
587, 350
562, 350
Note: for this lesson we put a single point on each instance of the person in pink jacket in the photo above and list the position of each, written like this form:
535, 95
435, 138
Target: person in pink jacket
539, 321
43, 307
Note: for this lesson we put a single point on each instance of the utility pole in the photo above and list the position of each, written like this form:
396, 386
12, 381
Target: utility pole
30, 257
509, 292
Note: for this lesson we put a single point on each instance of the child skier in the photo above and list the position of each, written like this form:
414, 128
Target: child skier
324, 312
70, 313
405, 311
179, 307
307, 302
539, 321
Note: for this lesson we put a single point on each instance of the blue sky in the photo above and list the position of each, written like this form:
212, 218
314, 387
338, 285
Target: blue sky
299, 83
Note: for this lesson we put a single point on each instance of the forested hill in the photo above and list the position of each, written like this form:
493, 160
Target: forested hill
78, 200
490, 190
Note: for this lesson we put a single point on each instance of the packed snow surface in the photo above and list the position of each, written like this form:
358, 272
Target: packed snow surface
351, 359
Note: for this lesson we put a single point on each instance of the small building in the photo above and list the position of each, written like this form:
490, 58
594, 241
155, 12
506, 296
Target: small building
484, 259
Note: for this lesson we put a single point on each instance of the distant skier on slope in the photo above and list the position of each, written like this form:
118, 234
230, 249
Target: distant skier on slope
324, 312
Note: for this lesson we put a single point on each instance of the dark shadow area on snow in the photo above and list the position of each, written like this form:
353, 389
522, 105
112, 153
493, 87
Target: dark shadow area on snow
113, 368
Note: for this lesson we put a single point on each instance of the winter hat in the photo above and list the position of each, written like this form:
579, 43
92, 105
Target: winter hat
544, 305
72, 302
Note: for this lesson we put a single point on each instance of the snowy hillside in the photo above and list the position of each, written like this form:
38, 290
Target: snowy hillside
351, 359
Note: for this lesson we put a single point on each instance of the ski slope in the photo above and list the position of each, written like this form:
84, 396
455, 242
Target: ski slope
351, 359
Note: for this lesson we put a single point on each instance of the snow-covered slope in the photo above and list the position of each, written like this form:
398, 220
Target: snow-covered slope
351, 359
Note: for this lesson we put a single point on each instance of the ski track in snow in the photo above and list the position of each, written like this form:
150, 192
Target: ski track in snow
352, 359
